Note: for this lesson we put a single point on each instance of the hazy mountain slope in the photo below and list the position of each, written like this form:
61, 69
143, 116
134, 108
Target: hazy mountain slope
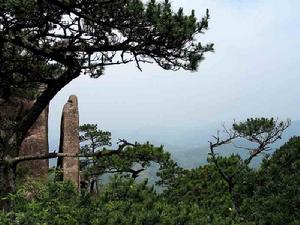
188, 146
193, 157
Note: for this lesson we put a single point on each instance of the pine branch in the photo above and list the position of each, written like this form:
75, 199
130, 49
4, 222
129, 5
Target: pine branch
51, 155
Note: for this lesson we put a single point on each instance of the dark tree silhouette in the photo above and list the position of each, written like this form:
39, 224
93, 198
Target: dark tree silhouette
46, 44
261, 132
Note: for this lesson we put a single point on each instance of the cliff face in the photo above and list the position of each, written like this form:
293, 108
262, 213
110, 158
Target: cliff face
36, 142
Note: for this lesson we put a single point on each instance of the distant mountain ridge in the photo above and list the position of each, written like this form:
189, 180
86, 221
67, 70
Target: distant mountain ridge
193, 157
188, 146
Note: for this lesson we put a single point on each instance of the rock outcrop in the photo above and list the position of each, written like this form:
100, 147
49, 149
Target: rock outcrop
69, 141
36, 142
36, 139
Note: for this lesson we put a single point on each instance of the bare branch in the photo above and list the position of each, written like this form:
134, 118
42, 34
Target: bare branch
51, 155
260, 131
123, 144
134, 173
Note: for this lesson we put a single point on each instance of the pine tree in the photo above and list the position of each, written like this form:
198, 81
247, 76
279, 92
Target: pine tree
44, 45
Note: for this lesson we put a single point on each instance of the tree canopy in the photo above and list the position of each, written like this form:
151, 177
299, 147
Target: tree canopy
269, 193
50, 43
44, 45
132, 160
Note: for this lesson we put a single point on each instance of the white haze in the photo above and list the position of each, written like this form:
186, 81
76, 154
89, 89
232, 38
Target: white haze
253, 72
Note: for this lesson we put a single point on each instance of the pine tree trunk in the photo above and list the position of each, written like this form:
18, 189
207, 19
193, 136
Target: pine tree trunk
234, 198
7, 184
97, 185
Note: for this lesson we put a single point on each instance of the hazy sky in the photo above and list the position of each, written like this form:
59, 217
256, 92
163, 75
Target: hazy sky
253, 72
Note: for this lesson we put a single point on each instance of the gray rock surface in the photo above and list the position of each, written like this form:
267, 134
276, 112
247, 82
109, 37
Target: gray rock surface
69, 140
36, 142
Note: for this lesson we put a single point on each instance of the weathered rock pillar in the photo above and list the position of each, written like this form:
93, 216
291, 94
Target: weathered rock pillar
69, 140
36, 142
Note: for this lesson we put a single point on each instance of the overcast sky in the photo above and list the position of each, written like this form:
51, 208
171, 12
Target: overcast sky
253, 72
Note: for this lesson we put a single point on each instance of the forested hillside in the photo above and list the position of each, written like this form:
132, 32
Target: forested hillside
226, 190
161, 163
267, 195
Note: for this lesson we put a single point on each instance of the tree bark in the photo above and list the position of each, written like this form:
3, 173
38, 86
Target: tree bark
7, 184
234, 198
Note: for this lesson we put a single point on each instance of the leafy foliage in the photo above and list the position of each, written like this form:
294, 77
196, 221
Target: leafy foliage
267, 195
44, 45
49, 36
131, 159
275, 197
261, 132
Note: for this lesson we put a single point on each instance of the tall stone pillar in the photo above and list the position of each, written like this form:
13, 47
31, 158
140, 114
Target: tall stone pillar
69, 140
36, 142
